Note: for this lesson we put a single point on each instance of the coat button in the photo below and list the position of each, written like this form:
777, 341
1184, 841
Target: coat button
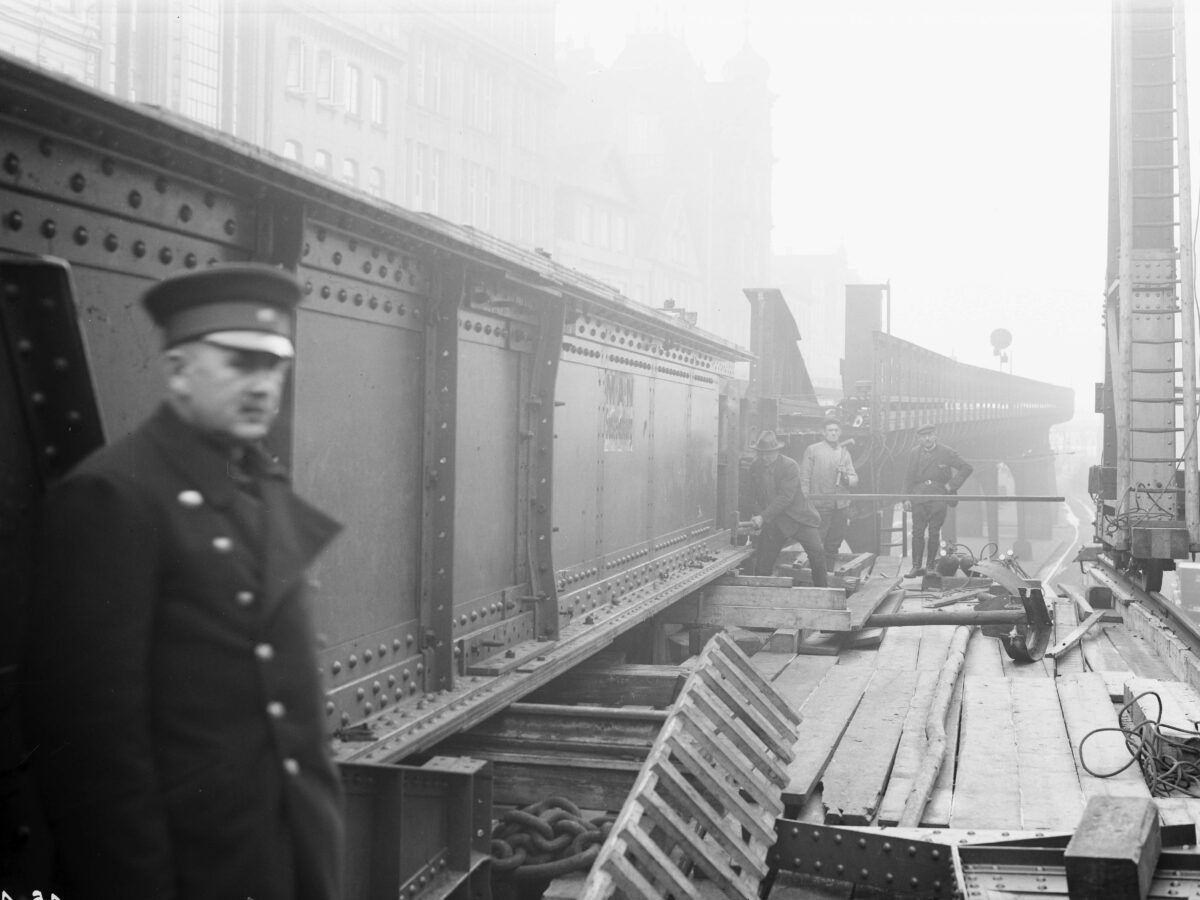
276, 710
222, 544
265, 652
291, 766
190, 498
244, 598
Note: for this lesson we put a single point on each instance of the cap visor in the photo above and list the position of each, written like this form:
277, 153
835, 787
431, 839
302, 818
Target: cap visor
256, 341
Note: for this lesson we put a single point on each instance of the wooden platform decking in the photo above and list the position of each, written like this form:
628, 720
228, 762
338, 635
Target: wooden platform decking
1013, 757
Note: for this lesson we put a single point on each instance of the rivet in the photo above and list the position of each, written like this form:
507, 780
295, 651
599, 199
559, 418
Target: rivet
230, 227
185, 213
12, 164
396, 644
210, 199
373, 303
383, 649
320, 234
400, 309
345, 718
368, 655
329, 707
165, 255
139, 249
406, 674
366, 266
342, 295
360, 693
376, 687
325, 292
111, 243
160, 184
78, 182
336, 667
15, 220
81, 235
49, 229
358, 299
135, 199
353, 660
337, 257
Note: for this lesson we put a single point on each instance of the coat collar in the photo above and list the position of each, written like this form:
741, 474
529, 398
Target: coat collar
295, 531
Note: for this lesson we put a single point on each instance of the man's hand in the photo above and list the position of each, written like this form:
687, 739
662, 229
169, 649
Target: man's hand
852, 480
757, 522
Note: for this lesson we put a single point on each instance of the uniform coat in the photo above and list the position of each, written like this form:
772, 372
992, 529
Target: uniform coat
171, 688
938, 471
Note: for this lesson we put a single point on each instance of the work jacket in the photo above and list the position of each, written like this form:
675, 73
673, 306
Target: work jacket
937, 471
171, 690
819, 469
778, 497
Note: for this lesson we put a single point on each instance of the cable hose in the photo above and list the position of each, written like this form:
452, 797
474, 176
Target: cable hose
1150, 745
546, 840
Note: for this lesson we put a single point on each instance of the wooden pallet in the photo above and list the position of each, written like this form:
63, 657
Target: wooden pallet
705, 802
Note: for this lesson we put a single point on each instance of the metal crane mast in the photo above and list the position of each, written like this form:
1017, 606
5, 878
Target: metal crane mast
1146, 487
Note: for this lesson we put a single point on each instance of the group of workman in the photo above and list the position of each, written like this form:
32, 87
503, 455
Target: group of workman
171, 701
808, 502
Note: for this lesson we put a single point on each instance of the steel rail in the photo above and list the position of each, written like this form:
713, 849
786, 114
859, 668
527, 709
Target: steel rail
1127, 590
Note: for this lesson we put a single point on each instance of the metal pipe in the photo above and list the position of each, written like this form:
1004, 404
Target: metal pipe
949, 498
1122, 365
967, 617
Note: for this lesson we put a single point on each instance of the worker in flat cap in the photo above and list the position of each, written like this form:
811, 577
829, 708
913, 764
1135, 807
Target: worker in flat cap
171, 688
936, 470
783, 513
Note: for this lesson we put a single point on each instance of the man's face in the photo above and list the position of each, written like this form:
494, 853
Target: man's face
769, 456
230, 394
833, 433
928, 440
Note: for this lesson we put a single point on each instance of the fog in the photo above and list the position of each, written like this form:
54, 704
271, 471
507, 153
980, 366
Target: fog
956, 149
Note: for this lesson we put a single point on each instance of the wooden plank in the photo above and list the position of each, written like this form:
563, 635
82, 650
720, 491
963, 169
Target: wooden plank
752, 581
1099, 652
1178, 811
889, 566
1066, 621
983, 657
870, 638
935, 644
987, 757
1138, 655
720, 593
726, 615
910, 751
857, 774
800, 677
749, 642
899, 648
817, 643
614, 685
1115, 850
769, 664
1086, 707
867, 598
937, 810
784, 640
1049, 788
825, 713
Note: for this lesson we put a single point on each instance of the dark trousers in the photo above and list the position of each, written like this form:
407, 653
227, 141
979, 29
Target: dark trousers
926, 517
772, 540
833, 531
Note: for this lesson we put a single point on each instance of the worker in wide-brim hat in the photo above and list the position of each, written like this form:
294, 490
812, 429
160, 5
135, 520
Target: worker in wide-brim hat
181, 735
782, 512
937, 470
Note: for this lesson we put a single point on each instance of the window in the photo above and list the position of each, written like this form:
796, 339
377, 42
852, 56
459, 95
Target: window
292, 150
323, 162
375, 182
485, 212
378, 101
471, 191
201, 76
324, 75
353, 91
297, 62
434, 199
420, 161
618, 233
427, 75
350, 172
602, 228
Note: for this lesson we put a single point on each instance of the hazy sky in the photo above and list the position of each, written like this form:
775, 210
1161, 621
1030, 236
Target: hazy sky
958, 148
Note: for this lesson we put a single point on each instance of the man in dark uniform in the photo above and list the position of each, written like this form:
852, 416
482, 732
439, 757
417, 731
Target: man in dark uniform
933, 469
784, 514
171, 689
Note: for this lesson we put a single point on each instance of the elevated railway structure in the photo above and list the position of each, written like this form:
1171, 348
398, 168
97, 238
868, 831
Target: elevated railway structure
894, 387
